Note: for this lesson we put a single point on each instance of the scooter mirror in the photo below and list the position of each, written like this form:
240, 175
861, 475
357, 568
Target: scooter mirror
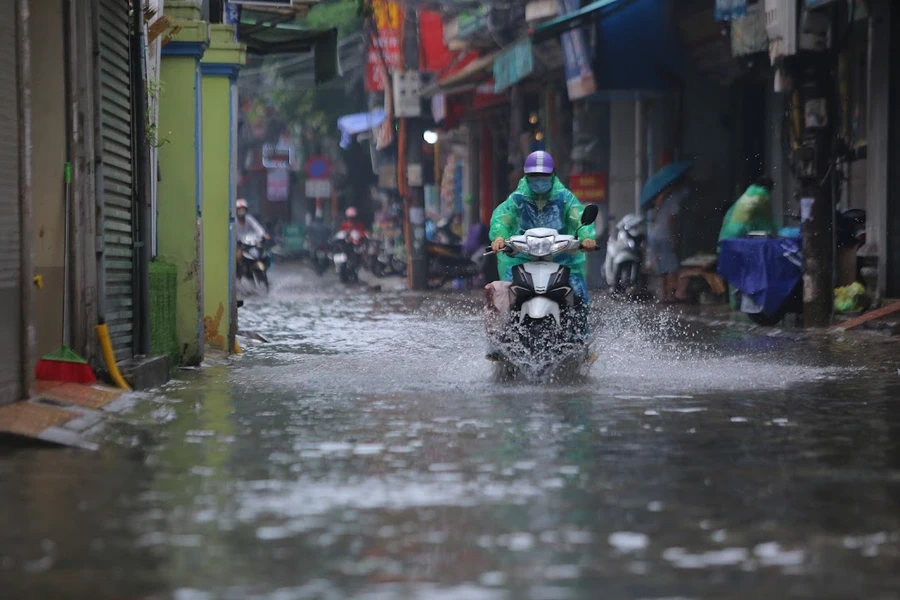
590, 214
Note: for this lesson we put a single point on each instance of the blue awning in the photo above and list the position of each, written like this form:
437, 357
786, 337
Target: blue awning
571, 20
350, 125
638, 48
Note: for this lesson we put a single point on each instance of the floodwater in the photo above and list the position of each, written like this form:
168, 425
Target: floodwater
368, 451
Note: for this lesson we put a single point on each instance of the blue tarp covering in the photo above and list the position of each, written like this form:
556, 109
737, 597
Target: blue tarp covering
766, 270
350, 125
638, 47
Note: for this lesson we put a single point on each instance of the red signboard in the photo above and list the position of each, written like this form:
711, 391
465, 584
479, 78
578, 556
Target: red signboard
486, 97
384, 47
434, 56
589, 187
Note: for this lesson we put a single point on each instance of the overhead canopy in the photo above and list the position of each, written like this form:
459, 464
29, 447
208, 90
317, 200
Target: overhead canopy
350, 125
638, 47
267, 33
574, 19
466, 78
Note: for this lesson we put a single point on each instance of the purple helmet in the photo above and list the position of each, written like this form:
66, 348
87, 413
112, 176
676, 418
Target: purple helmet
540, 163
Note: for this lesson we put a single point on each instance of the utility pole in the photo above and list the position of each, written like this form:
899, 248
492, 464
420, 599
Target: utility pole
418, 273
409, 160
814, 115
411, 188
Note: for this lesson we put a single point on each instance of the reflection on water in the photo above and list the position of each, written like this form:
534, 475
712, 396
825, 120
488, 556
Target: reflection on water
367, 452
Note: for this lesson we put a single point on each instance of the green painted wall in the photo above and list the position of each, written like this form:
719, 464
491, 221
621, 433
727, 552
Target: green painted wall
217, 264
179, 224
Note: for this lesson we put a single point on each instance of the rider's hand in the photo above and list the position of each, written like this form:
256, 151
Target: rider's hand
498, 245
588, 245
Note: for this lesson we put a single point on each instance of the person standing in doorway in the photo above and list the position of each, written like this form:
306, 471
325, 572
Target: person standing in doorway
663, 238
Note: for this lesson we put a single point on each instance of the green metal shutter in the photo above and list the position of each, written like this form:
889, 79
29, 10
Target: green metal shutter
10, 214
116, 175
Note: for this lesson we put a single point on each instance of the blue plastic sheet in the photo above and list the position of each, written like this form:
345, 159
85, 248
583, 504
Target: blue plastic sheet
767, 270
350, 125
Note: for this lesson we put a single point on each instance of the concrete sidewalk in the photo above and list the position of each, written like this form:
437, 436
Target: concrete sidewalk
67, 414
721, 315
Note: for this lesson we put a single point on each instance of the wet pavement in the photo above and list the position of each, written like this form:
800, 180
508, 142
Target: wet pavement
368, 451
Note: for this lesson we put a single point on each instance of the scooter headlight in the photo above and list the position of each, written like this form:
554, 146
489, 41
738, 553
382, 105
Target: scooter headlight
539, 246
560, 246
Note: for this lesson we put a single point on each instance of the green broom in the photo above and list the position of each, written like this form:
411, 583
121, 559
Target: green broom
64, 364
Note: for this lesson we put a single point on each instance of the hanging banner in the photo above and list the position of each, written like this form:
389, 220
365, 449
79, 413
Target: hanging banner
580, 81
384, 50
434, 56
513, 65
727, 10
277, 185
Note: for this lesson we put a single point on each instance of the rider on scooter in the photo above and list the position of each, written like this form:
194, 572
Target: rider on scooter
352, 223
245, 224
541, 200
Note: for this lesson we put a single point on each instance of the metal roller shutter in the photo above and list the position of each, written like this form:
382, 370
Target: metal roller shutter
116, 174
10, 214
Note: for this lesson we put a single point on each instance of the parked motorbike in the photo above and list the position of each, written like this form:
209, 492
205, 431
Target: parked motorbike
253, 261
320, 259
447, 262
348, 248
625, 254
534, 325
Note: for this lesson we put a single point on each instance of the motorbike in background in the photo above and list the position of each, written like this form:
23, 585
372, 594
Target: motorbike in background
625, 254
253, 261
348, 249
321, 261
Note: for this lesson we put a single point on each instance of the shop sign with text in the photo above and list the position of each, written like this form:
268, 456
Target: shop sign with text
589, 187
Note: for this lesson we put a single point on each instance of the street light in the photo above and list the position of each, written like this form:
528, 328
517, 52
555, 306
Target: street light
431, 137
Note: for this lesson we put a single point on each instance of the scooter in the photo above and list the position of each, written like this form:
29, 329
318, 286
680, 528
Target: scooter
534, 325
446, 262
320, 259
625, 254
347, 246
253, 261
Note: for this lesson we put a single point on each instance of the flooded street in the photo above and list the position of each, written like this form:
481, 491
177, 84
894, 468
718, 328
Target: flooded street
368, 451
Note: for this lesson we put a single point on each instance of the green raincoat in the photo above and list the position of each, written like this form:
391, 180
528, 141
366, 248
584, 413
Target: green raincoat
751, 212
523, 210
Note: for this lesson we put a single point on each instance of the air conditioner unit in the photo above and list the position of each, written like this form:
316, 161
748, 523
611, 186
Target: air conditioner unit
781, 27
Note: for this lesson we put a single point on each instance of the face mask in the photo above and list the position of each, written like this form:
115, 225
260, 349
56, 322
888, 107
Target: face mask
540, 185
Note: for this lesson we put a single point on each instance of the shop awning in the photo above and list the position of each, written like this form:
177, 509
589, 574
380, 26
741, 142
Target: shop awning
571, 20
350, 125
466, 79
267, 33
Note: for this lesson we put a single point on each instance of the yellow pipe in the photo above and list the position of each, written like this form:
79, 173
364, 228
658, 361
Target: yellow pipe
109, 358
237, 347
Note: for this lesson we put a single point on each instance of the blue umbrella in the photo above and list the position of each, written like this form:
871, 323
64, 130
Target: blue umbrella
662, 179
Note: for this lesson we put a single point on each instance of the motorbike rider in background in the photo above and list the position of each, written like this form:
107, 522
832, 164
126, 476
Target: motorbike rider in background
319, 232
352, 223
245, 224
541, 200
